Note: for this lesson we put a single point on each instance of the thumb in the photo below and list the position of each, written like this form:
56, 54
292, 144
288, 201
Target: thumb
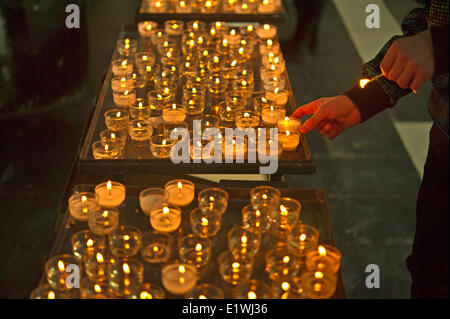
313, 122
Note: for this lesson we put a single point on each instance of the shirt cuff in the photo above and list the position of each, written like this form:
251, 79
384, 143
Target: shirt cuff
370, 101
439, 37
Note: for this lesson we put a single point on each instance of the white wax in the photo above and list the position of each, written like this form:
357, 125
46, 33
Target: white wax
151, 202
110, 198
180, 197
272, 117
289, 142
288, 124
280, 98
179, 283
174, 115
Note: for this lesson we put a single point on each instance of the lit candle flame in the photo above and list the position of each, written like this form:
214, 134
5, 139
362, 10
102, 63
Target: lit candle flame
51, 295
204, 221
235, 265
198, 247
251, 295
105, 214
244, 240
61, 266
97, 288
302, 237
322, 251
126, 268
363, 83
181, 269
285, 286
166, 210
145, 295
266, 27
89, 242
202, 297
318, 275
99, 257
286, 259
284, 211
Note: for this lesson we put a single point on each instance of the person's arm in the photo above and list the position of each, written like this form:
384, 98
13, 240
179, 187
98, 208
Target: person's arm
384, 93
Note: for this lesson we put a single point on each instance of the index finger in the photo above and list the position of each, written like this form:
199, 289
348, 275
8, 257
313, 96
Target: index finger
309, 108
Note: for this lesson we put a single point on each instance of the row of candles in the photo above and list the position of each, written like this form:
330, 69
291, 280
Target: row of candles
215, 66
297, 266
212, 6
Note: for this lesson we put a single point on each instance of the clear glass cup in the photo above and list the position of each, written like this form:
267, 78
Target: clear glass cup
153, 198
127, 47
195, 250
291, 288
55, 269
156, 247
282, 263
213, 199
142, 59
117, 119
96, 264
318, 285
246, 119
160, 146
303, 238
95, 289
255, 218
85, 242
205, 223
125, 276
325, 258
125, 241
235, 269
122, 83
140, 130
166, 219
151, 291
174, 113
244, 241
286, 215
108, 137
265, 198
102, 150
46, 291
82, 204
104, 221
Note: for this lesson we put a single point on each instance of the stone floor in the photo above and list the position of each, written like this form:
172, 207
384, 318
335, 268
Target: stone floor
370, 180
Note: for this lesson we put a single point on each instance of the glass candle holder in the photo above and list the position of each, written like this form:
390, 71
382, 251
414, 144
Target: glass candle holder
291, 288
282, 263
216, 84
244, 241
266, 31
181, 192
271, 114
252, 289
247, 119
151, 291
46, 291
110, 194
179, 130
147, 28
127, 47
278, 97
160, 146
140, 130
153, 198
82, 204
108, 137
194, 106
117, 119
144, 59
259, 102
195, 250
234, 148
125, 276
244, 7
174, 113
158, 98
318, 285
122, 83
179, 279
286, 215
325, 258
265, 198
275, 82
205, 223
213, 199
209, 6
269, 148
125, 241
166, 219
235, 269
206, 291
103, 221
122, 67
95, 289
158, 36
156, 247
289, 124
266, 6
103, 150
96, 265
159, 6
183, 6
196, 26
85, 242
201, 149
140, 110
55, 269
289, 140
174, 27
270, 47
303, 238
255, 218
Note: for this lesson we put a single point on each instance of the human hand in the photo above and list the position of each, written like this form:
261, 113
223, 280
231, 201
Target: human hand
331, 115
410, 61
